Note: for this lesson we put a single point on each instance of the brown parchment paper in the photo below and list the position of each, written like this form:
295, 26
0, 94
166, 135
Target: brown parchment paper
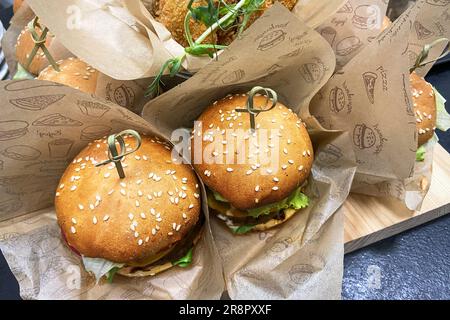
432, 22
303, 257
352, 27
129, 94
109, 35
51, 123
370, 97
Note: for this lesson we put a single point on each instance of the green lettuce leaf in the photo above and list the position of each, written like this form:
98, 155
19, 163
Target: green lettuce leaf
184, 261
242, 229
420, 154
22, 74
219, 197
442, 118
297, 200
100, 267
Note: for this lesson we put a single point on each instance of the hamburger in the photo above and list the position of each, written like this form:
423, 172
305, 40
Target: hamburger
74, 73
137, 226
25, 45
249, 193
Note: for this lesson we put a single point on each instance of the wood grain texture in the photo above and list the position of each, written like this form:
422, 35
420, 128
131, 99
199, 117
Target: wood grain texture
370, 219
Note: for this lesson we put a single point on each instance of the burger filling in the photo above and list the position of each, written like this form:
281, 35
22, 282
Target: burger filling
243, 221
178, 255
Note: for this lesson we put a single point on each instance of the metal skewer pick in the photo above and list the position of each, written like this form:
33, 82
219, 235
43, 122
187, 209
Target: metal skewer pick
116, 156
423, 55
39, 43
270, 94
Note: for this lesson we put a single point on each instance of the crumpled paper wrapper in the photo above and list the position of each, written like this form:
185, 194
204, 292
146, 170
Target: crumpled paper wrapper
432, 22
128, 94
43, 126
352, 27
370, 97
102, 32
301, 259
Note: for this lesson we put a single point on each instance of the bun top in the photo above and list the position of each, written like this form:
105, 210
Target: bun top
25, 45
74, 73
251, 170
386, 23
424, 108
132, 219
17, 4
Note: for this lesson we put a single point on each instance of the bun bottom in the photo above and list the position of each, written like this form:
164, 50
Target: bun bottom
269, 224
163, 264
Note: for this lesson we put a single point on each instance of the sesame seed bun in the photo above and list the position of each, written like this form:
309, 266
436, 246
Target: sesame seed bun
386, 23
25, 45
424, 108
74, 73
136, 220
254, 184
17, 4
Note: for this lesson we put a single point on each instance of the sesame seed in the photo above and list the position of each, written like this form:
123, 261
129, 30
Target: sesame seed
184, 216
291, 161
304, 153
170, 233
73, 188
106, 218
139, 182
153, 231
123, 192
257, 188
285, 151
137, 157
123, 184
132, 227
110, 192
196, 195
94, 220
74, 221
147, 238
130, 216
72, 229
300, 168
140, 194
157, 227
136, 234
149, 197
289, 141
150, 175
91, 206
207, 173
140, 242
256, 200
275, 188
178, 227
152, 211
284, 167
249, 172
80, 206
276, 179
174, 226
159, 219
145, 158
308, 152
143, 216
191, 206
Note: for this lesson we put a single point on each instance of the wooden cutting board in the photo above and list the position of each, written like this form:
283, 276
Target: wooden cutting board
370, 219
